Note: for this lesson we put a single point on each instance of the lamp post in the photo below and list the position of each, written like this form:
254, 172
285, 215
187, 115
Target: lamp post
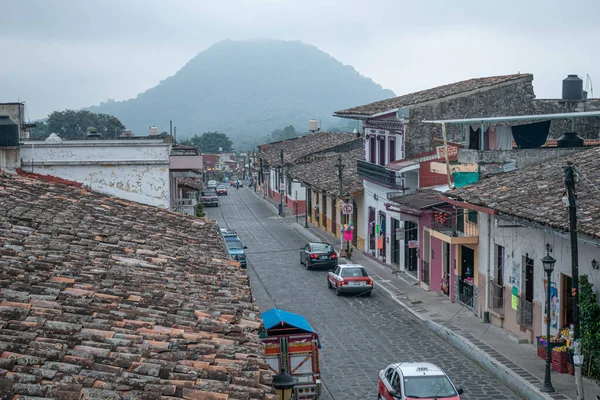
548, 262
284, 385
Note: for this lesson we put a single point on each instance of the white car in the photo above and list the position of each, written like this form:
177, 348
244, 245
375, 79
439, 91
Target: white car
350, 278
407, 381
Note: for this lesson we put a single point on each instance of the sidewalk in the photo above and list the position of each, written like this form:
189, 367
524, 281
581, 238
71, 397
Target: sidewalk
495, 349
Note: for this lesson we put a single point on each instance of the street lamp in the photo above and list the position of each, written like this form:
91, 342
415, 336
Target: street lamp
548, 263
284, 385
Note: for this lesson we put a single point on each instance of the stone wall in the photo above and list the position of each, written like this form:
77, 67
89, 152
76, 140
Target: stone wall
522, 157
588, 128
511, 98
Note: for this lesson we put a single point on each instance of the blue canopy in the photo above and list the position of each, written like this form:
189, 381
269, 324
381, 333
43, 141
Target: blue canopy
275, 317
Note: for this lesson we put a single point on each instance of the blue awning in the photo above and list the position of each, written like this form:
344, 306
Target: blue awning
275, 317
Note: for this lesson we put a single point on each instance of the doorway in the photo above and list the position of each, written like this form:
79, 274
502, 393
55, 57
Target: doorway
334, 217
566, 311
395, 242
467, 272
529, 279
411, 233
446, 268
371, 228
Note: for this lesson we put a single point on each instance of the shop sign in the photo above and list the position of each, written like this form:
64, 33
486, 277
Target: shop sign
413, 244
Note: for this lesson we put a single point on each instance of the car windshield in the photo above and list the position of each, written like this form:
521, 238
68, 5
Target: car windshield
354, 272
428, 387
209, 193
234, 244
321, 247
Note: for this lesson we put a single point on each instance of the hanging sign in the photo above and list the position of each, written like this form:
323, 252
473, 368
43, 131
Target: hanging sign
413, 244
347, 208
281, 187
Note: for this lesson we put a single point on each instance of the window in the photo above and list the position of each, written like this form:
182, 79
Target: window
322, 247
392, 149
472, 216
500, 265
354, 272
396, 384
372, 150
382, 150
388, 374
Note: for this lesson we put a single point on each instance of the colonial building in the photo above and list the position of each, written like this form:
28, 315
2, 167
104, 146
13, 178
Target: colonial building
135, 169
320, 175
185, 176
517, 214
274, 179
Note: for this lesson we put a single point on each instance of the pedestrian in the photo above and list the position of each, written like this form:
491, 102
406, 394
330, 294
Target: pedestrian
237, 185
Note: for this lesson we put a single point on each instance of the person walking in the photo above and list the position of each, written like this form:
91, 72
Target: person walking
237, 185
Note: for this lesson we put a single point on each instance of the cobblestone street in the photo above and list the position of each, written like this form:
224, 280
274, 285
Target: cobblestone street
360, 335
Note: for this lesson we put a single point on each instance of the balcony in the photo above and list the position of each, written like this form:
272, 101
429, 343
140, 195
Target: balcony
186, 206
454, 227
378, 174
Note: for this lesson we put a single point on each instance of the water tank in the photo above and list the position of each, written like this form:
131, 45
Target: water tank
570, 139
572, 88
153, 131
9, 132
313, 125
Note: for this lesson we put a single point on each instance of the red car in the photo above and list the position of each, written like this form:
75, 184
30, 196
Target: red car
221, 190
350, 278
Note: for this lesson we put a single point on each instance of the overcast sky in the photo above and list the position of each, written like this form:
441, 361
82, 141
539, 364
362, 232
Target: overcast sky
61, 54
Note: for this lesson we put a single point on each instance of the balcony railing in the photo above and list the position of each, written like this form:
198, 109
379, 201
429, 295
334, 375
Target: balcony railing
496, 297
186, 206
378, 174
448, 222
525, 313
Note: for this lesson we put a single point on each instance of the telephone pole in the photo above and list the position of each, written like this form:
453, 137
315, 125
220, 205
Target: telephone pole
571, 177
340, 168
281, 183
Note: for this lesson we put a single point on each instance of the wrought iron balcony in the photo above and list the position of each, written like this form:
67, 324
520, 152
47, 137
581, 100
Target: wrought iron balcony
378, 174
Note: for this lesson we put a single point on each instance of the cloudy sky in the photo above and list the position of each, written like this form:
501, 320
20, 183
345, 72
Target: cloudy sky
61, 54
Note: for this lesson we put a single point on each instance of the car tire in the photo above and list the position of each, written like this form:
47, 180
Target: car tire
368, 294
329, 286
337, 291
301, 262
307, 265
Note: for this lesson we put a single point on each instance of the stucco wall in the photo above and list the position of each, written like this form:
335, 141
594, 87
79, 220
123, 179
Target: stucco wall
531, 241
522, 157
513, 98
132, 170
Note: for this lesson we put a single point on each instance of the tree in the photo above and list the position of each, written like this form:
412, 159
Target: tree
288, 132
71, 124
210, 142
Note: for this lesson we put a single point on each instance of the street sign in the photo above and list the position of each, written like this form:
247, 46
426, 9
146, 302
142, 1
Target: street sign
281, 187
347, 208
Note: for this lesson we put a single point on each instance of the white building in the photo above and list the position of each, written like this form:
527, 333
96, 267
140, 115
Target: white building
132, 169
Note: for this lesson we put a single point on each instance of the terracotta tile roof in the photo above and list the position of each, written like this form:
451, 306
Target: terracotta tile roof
106, 299
429, 94
194, 183
322, 173
420, 200
535, 193
294, 149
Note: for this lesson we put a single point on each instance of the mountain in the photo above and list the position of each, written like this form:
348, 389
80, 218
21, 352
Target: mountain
247, 89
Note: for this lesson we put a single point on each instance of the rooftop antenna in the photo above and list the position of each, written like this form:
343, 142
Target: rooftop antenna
588, 86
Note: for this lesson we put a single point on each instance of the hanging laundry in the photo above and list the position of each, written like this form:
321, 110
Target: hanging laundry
531, 136
486, 139
474, 138
493, 144
504, 137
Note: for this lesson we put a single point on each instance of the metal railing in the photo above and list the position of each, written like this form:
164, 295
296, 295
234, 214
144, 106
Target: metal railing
465, 293
377, 173
525, 313
447, 222
496, 296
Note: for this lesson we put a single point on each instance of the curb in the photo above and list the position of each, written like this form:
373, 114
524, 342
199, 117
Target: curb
468, 349
304, 232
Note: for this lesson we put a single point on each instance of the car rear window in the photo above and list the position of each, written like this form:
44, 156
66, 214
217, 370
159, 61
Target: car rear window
234, 244
354, 272
322, 247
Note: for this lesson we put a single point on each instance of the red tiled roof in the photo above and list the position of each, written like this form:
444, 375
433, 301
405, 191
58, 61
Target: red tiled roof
105, 298
429, 95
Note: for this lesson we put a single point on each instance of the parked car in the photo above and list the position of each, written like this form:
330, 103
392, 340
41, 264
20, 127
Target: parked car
318, 254
211, 184
350, 278
209, 198
404, 381
236, 248
221, 190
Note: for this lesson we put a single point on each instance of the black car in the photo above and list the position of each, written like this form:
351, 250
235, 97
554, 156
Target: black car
318, 254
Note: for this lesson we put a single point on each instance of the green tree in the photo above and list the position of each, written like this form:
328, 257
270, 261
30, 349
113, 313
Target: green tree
71, 124
288, 132
210, 142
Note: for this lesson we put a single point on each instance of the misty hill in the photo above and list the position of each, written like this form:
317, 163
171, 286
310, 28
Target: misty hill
247, 89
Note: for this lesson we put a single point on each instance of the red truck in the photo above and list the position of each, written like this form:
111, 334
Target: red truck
292, 344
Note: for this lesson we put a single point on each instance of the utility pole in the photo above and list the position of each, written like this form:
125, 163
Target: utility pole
281, 183
340, 168
175, 134
571, 178
171, 128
